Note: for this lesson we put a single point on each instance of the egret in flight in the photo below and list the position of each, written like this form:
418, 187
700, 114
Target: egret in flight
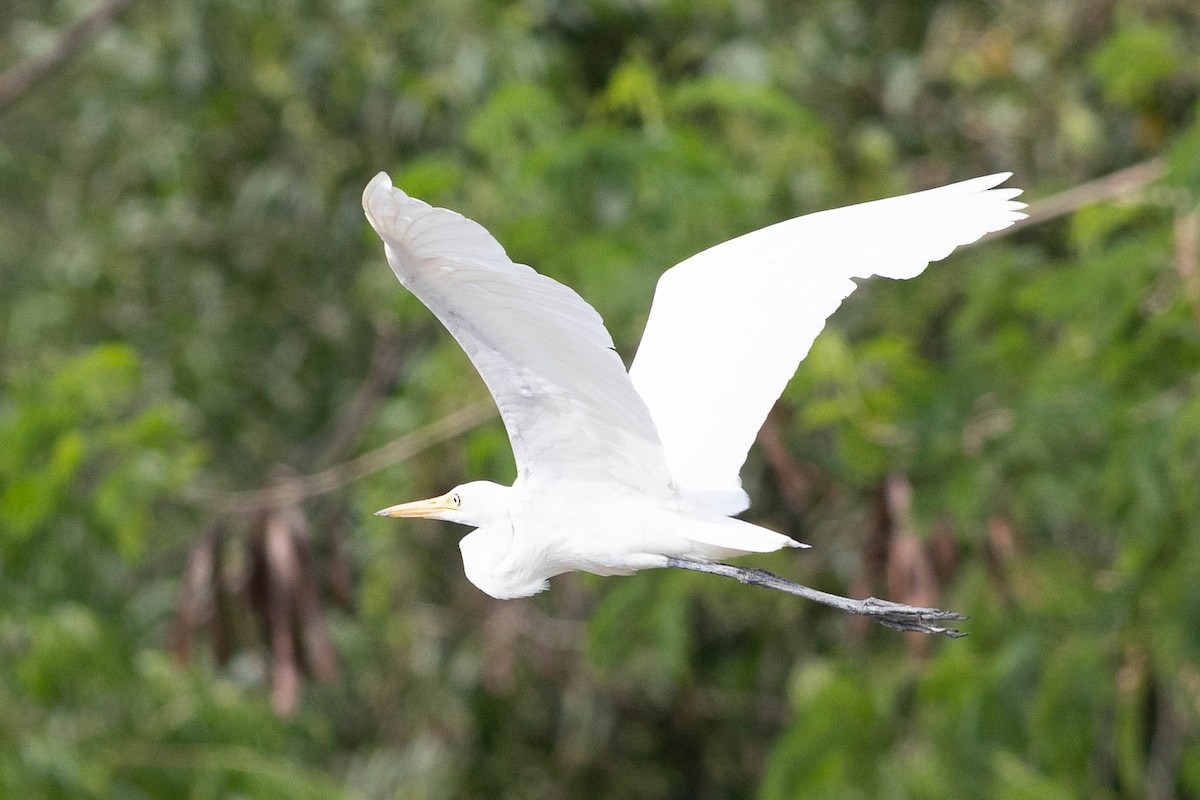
619, 471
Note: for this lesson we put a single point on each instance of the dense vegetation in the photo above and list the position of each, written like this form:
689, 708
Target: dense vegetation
191, 304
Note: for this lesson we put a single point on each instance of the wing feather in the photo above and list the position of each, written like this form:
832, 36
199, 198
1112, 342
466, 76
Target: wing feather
566, 400
729, 326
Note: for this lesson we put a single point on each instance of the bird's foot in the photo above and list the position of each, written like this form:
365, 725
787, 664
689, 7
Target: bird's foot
915, 619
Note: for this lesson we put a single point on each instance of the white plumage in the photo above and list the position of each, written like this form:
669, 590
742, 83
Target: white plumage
619, 471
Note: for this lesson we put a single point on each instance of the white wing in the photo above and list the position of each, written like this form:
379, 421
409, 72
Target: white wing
563, 393
729, 326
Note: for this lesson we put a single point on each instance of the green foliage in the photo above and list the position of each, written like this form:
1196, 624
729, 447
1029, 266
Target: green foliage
189, 293
1137, 60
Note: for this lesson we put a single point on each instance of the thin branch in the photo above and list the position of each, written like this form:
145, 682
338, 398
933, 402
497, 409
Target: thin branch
294, 778
897, 616
290, 491
18, 80
381, 374
1122, 183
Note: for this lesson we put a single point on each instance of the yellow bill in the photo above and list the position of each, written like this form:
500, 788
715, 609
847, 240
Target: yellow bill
422, 508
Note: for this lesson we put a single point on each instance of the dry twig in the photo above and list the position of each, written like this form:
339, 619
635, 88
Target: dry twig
292, 490
1122, 183
381, 374
17, 81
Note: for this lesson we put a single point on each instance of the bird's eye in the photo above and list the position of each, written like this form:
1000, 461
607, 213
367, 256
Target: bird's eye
455, 500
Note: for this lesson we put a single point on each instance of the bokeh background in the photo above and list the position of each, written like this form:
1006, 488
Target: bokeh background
209, 378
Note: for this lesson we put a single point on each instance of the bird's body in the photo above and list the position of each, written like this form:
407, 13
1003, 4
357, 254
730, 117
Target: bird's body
537, 531
621, 471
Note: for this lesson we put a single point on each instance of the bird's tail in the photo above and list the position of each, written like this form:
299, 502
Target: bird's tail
737, 537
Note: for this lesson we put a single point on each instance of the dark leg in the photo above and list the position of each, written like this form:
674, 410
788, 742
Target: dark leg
893, 615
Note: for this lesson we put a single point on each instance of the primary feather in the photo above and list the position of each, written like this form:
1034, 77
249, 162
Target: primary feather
729, 325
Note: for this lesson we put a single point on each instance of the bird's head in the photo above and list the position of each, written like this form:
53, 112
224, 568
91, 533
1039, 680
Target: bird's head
476, 503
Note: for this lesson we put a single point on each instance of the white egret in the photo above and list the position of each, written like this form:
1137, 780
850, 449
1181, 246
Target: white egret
622, 471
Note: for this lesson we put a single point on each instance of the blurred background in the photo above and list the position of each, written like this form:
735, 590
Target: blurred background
209, 378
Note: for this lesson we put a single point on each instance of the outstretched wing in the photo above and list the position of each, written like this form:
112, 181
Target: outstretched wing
729, 326
566, 400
